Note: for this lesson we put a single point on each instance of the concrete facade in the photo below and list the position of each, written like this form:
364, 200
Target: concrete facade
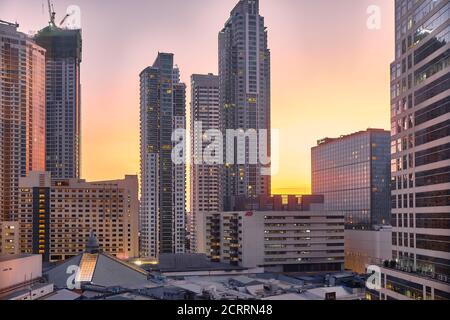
245, 98
22, 110
205, 177
163, 182
56, 217
367, 247
279, 241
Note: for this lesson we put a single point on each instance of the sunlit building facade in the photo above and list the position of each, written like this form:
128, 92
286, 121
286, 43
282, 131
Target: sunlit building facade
57, 216
352, 172
420, 147
22, 113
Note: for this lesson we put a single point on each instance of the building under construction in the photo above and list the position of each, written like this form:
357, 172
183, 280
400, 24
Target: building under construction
63, 97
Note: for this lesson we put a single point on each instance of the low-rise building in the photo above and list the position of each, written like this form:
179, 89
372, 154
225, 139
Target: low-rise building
367, 247
95, 270
397, 282
95, 275
281, 234
56, 217
21, 278
194, 264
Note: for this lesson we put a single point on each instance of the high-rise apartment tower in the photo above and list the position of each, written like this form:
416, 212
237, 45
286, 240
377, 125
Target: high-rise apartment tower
205, 175
163, 181
63, 100
22, 113
244, 82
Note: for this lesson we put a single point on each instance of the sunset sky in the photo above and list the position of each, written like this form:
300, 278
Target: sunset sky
330, 73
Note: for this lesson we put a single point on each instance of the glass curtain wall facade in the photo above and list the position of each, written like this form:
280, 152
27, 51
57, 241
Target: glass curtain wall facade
352, 172
420, 117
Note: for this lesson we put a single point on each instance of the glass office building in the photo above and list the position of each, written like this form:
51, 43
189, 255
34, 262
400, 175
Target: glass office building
421, 136
352, 172
420, 147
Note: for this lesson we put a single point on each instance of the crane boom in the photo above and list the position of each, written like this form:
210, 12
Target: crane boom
64, 19
51, 12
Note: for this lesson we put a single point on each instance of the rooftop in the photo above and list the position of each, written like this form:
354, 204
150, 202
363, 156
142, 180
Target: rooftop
24, 289
189, 262
62, 295
352, 135
404, 267
98, 268
10, 24
10, 257
279, 203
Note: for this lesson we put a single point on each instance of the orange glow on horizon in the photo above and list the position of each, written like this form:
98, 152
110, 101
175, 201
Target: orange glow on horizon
330, 74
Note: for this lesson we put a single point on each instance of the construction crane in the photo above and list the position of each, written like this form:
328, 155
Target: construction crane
51, 12
64, 19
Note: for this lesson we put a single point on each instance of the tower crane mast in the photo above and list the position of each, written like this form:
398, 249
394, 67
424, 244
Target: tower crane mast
51, 12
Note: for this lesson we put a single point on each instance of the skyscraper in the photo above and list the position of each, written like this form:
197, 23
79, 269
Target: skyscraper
244, 81
63, 100
205, 178
352, 172
162, 111
22, 112
420, 148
